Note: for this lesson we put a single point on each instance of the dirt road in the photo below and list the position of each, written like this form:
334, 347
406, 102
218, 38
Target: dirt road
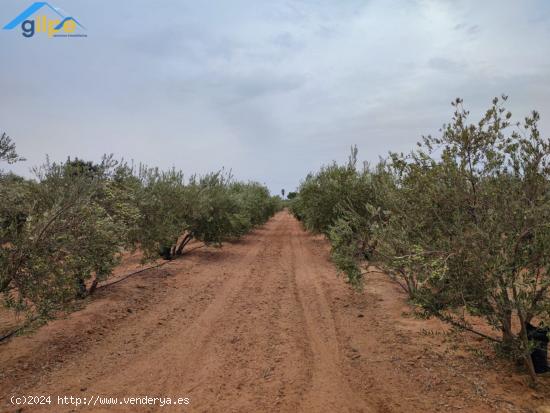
261, 325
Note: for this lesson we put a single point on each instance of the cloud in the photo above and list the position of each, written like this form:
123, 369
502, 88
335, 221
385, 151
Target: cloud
268, 89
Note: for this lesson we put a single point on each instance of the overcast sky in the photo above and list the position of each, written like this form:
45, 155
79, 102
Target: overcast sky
269, 89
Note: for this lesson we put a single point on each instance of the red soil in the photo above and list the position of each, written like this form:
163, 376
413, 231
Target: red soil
263, 324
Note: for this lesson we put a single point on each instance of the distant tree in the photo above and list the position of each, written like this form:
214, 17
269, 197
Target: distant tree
7, 150
211, 208
283, 193
292, 195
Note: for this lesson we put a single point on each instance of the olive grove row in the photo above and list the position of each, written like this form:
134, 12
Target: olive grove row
462, 222
64, 231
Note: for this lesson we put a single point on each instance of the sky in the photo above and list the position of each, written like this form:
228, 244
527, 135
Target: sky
268, 89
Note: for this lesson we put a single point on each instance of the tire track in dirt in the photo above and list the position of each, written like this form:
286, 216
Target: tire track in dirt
173, 350
258, 347
329, 389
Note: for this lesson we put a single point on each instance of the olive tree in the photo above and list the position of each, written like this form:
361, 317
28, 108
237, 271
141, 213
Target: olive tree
160, 199
353, 234
322, 194
462, 223
72, 232
65, 231
211, 209
471, 226
8, 152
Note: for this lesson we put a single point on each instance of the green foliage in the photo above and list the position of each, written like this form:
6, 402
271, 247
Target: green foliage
214, 213
255, 201
210, 208
338, 201
462, 223
161, 201
497, 252
65, 231
7, 150
322, 194
347, 240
